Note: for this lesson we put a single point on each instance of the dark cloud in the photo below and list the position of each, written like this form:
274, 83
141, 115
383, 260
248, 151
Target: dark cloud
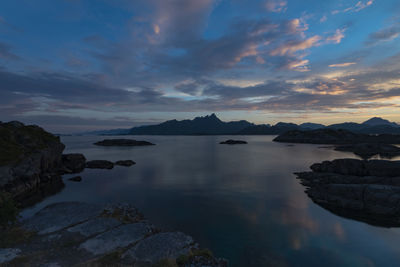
5, 52
383, 35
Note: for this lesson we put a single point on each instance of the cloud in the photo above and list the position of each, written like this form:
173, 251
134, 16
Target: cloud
337, 37
6, 54
342, 65
384, 35
360, 5
277, 6
294, 46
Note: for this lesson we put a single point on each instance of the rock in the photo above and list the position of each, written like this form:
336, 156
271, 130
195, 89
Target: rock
368, 191
79, 234
125, 163
367, 150
30, 159
61, 215
8, 254
233, 142
122, 142
99, 164
73, 163
380, 168
154, 249
121, 236
332, 136
75, 179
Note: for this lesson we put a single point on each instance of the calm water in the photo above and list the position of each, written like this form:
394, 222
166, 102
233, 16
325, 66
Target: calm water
243, 202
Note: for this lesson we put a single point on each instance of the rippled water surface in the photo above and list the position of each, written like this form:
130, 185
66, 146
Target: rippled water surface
243, 201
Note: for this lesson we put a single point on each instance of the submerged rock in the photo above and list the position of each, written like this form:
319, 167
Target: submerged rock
72, 233
125, 163
233, 142
368, 191
99, 164
122, 142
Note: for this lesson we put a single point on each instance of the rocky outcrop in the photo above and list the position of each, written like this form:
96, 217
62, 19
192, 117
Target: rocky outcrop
368, 191
125, 163
71, 233
368, 150
30, 159
99, 164
332, 136
233, 142
73, 163
122, 142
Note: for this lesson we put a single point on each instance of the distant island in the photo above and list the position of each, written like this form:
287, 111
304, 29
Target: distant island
212, 125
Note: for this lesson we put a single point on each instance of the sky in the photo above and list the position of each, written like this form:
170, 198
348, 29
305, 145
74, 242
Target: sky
75, 65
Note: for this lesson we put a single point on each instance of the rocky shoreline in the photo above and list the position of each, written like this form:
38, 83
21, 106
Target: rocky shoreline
80, 234
363, 190
66, 234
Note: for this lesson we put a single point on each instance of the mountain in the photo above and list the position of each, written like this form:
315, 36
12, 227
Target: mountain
372, 126
208, 125
212, 125
311, 126
375, 121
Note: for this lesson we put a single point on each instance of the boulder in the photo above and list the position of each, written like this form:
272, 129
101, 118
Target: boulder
122, 142
99, 164
73, 163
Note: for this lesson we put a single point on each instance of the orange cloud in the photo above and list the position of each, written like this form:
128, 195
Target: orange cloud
292, 47
341, 65
276, 5
337, 37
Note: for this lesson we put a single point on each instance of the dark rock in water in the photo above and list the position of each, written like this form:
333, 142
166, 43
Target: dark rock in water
332, 136
79, 234
380, 168
363, 190
76, 179
125, 163
73, 163
233, 142
368, 150
99, 164
122, 142
30, 159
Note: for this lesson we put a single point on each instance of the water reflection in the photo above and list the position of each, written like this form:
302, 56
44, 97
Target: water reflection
242, 202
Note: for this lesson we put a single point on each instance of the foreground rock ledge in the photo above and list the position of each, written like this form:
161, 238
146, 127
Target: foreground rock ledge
73, 233
367, 191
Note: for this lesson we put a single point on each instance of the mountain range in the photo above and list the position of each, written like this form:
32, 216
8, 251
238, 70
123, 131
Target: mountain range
212, 125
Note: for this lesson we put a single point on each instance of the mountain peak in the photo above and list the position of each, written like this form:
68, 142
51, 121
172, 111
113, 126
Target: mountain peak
378, 121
